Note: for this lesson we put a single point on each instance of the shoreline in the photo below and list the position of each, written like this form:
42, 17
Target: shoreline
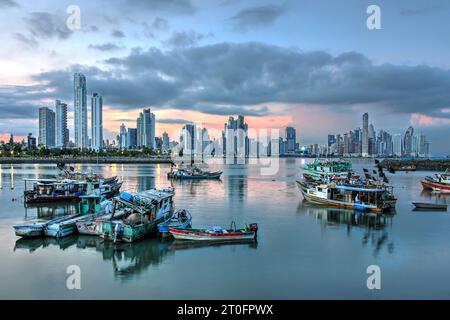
87, 160
420, 165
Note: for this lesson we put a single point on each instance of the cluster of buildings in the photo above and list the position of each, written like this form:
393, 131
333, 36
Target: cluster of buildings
53, 130
366, 142
235, 141
194, 139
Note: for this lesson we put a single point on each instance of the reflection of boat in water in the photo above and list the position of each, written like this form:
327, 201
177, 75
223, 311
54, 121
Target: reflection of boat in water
373, 225
32, 244
186, 245
127, 258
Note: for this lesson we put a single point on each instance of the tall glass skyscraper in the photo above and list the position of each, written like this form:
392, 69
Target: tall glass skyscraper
365, 135
46, 127
97, 122
146, 129
80, 110
61, 124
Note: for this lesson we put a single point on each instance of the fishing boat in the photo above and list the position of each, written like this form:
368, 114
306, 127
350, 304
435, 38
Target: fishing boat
181, 219
358, 197
140, 214
438, 182
54, 190
323, 168
430, 206
92, 225
217, 233
192, 172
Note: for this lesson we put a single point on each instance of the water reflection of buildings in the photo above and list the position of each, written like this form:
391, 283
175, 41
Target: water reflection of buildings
373, 225
237, 185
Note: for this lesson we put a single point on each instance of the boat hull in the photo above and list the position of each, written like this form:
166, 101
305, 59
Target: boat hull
29, 231
430, 206
204, 236
339, 204
435, 186
211, 176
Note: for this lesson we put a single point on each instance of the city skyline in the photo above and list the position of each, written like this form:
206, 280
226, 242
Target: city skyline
248, 62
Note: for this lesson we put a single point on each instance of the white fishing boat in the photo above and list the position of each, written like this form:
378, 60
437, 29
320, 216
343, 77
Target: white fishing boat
359, 197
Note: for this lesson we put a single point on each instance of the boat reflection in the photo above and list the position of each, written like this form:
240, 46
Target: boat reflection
50, 210
442, 197
32, 244
373, 225
186, 245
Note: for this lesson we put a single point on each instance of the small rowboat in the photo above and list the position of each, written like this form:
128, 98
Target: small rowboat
216, 234
31, 230
181, 219
430, 206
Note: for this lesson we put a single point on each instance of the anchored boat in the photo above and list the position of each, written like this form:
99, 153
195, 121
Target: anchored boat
323, 168
217, 233
193, 172
365, 198
430, 206
54, 190
438, 182
181, 219
140, 212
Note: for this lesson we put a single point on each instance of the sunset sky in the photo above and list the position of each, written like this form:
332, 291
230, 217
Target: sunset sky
309, 64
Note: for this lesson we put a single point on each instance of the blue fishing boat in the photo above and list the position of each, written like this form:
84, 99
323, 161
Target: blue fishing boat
37, 229
181, 219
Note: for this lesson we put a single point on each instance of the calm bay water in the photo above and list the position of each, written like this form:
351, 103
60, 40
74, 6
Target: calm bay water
303, 251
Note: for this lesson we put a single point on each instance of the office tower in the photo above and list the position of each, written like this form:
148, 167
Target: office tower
46, 127
365, 135
80, 110
291, 140
235, 137
122, 138
407, 141
97, 122
61, 124
187, 139
146, 125
165, 142
31, 141
132, 138
397, 145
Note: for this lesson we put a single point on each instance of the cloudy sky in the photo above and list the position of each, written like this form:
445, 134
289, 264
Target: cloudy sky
312, 64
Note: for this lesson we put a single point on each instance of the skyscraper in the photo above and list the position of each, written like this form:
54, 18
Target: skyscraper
235, 137
97, 121
61, 124
291, 140
146, 124
365, 135
132, 138
165, 141
123, 137
397, 145
407, 141
46, 127
80, 110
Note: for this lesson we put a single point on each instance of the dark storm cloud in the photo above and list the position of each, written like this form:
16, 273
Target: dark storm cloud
105, 47
232, 78
118, 34
421, 11
256, 17
47, 25
181, 39
8, 4
173, 121
29, 41
166, 6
